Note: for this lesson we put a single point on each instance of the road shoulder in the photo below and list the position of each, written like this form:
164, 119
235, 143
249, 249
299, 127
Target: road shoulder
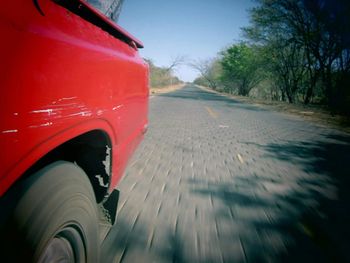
311, 113
166, 89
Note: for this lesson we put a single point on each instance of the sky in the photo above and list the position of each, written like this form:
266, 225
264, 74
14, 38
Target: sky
197, 29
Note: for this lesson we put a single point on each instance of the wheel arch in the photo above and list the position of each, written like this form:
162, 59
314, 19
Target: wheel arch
88, 145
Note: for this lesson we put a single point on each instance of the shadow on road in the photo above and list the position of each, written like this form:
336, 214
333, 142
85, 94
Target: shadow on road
128, 244
117, 243
329, 159
193, 93
298, 212
302, 218
293, 217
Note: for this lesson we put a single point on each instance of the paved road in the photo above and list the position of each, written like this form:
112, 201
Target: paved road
216, 180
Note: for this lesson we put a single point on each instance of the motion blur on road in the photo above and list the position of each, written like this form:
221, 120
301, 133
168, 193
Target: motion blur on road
216, 180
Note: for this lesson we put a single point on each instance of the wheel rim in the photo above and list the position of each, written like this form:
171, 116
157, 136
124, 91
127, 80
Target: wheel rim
67, 246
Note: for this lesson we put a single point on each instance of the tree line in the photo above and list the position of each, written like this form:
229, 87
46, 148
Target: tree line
164, 76
295, 51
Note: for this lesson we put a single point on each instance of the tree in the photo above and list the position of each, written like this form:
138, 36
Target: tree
319, 31
208, 69
240, 65
284, 56
288, 64
162, 76
175, 62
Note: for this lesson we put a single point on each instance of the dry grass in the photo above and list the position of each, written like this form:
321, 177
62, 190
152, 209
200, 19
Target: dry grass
312, 113
166, 89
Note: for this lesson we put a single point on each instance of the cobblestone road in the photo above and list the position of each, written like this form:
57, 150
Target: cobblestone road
216, 180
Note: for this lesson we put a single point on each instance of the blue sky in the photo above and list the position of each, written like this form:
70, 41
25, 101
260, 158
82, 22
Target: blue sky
198, 29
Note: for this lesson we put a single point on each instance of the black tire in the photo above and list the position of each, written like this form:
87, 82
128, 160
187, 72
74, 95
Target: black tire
54, 219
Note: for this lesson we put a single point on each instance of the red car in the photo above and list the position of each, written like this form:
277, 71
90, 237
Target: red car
74, 105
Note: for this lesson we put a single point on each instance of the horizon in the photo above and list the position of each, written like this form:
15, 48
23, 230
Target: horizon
166, 34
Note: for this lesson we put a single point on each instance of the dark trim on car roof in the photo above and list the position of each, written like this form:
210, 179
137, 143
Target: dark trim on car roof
91, 14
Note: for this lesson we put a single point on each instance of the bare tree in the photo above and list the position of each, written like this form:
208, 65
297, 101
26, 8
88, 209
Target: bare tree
163, 76
205, 67
176, 61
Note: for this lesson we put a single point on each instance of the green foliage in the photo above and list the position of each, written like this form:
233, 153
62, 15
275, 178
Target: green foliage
201, 81
210, 72
240, 64
161, 76
307, 48
299, 50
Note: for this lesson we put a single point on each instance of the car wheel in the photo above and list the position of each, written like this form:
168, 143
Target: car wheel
54, 218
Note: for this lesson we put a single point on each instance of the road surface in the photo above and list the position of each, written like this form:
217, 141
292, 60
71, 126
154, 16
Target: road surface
216, 180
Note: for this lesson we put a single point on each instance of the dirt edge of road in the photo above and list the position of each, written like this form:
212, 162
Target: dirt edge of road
310, 113
166, 89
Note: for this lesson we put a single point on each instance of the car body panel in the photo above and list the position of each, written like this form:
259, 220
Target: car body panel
61, 77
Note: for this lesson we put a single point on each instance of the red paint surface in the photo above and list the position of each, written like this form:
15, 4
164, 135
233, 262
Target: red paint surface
62, 76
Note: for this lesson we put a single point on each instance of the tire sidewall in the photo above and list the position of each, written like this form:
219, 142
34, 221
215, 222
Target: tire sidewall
58, 196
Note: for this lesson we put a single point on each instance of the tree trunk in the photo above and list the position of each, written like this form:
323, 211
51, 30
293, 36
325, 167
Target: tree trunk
311, 87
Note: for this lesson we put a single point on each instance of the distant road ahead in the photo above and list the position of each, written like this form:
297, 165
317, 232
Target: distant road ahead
216, 180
